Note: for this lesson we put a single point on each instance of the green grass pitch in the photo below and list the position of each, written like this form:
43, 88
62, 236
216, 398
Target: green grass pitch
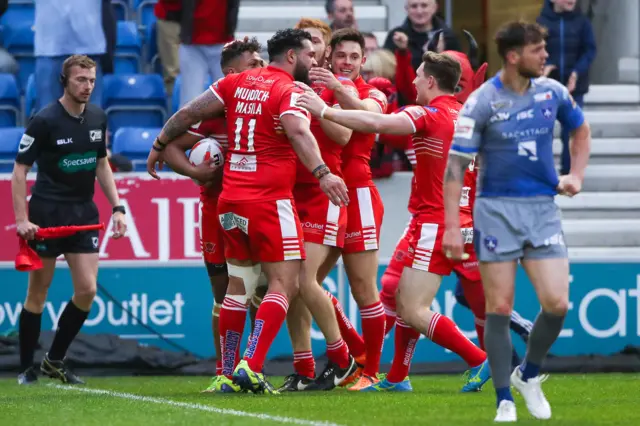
595, 399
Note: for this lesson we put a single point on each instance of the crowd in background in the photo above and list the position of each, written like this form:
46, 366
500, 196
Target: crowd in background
192, 33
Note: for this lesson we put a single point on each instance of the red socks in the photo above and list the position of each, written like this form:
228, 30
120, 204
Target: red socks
269, 320
338, 353
304, 364
373, 324
390, 318
474, 293
442, 331
347, 330
233, 315
406, 339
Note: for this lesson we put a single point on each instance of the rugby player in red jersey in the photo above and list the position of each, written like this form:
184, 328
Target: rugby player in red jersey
237, 56
267, 130
432, 129
324, 226
365, 211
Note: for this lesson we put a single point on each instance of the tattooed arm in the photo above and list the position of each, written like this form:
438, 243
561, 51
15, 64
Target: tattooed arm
453, 182
205, 106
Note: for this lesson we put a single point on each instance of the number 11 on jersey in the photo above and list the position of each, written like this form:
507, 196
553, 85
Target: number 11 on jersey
239, 140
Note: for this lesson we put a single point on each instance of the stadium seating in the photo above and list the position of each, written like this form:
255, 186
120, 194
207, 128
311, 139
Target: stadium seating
135, 143
121, 9
18, 40
9, 142
128, 48
151, 49
134, 100
144, 9
19, 11
9, 101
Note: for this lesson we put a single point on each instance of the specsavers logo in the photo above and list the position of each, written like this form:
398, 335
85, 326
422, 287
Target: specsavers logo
74, 163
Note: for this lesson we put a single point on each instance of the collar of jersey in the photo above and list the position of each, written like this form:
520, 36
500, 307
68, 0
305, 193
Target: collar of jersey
280, 70
495, 80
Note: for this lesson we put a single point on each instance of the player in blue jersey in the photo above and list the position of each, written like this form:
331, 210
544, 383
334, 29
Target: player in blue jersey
508, 123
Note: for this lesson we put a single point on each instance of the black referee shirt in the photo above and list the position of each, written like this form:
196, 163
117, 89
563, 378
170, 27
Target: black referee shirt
66, 149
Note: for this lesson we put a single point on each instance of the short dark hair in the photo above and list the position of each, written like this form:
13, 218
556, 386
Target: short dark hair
82, 61
347, 34
517, 34
236, 48
283, 40
330, 6
444, 68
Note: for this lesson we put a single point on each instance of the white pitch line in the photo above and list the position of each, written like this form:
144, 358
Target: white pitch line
200, 407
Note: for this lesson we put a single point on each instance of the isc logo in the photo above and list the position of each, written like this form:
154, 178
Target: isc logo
524, 115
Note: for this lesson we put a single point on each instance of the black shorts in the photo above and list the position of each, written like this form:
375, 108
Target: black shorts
45, 214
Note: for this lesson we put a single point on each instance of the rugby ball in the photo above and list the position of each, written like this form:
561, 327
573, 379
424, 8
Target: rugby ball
205, 150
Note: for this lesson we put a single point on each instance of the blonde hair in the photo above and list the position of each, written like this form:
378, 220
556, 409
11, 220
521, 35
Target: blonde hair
381, 63
317, 24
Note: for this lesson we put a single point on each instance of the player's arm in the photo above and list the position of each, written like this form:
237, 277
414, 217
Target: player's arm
348, 102
208, 105
34, 137
175, 154
337, 133
306, 148
580, 149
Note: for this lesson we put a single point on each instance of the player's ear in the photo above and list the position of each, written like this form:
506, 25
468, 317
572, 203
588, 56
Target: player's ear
291, 56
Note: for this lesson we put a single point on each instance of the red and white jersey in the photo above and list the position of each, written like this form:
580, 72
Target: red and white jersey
330, 150
215, 128
357, 154
260, 162
433, 132
468, 197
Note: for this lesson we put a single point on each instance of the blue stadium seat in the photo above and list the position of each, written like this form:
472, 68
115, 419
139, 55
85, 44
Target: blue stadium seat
175, 96
30, 98
18, 40
151, 51
128, 48
9, 101
9, 142
121, 9
134, 100
135, 144
19, 11
145, 12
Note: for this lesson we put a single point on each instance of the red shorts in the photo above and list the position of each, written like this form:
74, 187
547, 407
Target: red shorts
264, 231
468, 269
364, 219
322, 221
425, 248
211, 241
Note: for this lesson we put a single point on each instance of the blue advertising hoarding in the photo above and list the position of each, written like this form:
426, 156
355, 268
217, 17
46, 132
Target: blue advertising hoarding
176, 302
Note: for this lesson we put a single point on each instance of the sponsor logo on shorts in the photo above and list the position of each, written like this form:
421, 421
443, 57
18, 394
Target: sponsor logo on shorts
467, 235
229, 344
41, 247
208, 247
74, 163
242, 223
309, 225
490, 242
555, 240
94, 241
350, 235
226, 221
470, 265
400, 255
253, 341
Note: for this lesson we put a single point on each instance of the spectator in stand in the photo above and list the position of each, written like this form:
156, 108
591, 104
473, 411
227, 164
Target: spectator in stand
7, 63
380, 63
110, 28
572, 48
419, 27
370, 43
168, 13
206, 26
63, 28
341, 14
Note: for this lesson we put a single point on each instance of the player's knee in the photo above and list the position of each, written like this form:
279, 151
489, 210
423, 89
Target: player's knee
249, 275
36, 298
219, 279
557, 306
501, 307
83, 296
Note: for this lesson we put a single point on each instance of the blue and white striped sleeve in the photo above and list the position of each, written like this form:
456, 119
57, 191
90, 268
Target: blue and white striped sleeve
474, 116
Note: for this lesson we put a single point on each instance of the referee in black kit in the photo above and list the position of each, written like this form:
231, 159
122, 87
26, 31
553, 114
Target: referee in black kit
67, 140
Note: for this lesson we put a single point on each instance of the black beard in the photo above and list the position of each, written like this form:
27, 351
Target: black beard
301, 74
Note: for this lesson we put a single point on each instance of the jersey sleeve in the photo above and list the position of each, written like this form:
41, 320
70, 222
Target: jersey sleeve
198, 129
473, 118
350, 88
569, 113
288, 105
421, 118
32, 141
379, 98
221, 87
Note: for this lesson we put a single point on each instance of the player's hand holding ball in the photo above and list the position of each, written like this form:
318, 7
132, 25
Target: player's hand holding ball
27, 230
569, 185
207, 157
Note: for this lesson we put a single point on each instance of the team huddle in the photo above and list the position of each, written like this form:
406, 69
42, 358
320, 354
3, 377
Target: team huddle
296, 194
